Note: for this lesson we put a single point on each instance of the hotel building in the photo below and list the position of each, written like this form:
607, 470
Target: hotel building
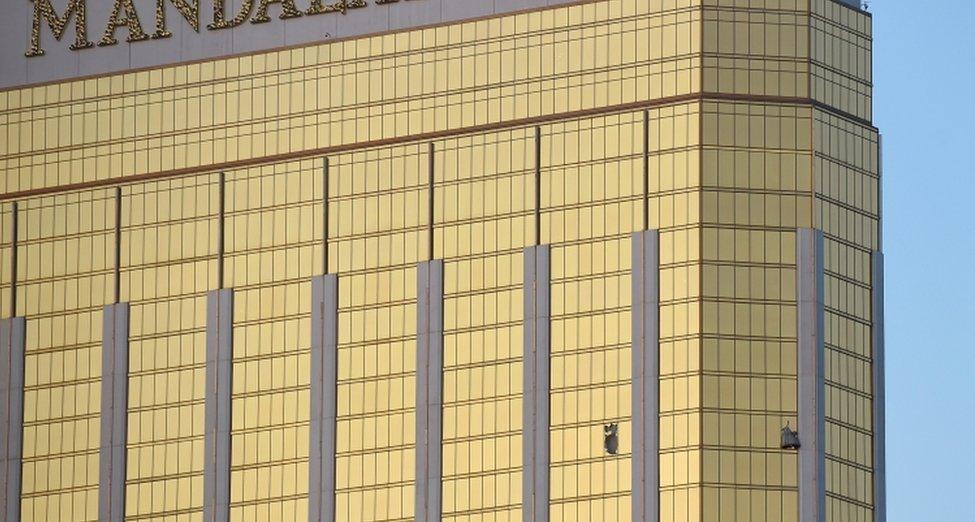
440, 260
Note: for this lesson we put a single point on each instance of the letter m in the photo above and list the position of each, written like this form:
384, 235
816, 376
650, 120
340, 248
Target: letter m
44, 10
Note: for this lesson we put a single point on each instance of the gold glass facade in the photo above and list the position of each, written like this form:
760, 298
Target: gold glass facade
758, 123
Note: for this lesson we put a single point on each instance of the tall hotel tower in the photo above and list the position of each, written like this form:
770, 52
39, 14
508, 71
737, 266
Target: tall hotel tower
440, 260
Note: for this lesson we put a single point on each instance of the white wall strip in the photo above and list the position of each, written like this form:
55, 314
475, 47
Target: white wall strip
537, 295
217, 416
429, 391
646, 375
324, 389
12, 339
812, 383
114, 414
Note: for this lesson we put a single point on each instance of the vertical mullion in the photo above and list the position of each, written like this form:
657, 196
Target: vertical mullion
325, 216
538, 186
118, 245
14, 241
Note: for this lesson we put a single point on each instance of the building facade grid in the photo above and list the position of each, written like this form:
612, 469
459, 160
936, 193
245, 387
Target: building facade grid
756, 118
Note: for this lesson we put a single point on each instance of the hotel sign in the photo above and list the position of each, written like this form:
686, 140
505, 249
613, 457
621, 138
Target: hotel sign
126, 18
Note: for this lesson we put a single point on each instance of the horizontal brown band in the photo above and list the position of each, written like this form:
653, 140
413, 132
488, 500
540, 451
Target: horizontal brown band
428, 136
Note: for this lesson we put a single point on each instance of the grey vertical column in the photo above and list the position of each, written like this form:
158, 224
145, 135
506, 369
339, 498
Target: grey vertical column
429, 391
537, 383
812, 379
324, 389
646, 375
114, 421
219, 377
879, 392
12, 339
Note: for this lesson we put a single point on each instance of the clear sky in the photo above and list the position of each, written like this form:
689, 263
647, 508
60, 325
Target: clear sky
924, 104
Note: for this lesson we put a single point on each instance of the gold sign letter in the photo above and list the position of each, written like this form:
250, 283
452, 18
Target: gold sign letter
220, 21
190, 9
341, 6
130, 20
44, 9
288, 10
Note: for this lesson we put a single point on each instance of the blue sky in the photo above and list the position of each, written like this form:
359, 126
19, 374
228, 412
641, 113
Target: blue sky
924, 77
